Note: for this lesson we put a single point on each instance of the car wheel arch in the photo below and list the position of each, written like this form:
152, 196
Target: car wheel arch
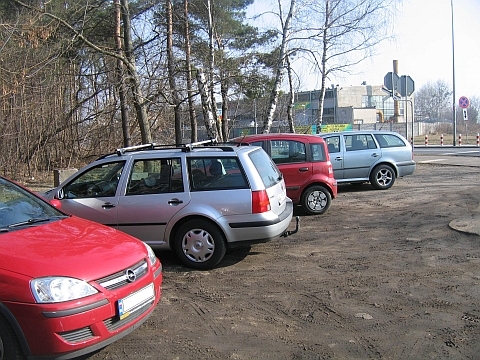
178, 224
392, 165
12, 322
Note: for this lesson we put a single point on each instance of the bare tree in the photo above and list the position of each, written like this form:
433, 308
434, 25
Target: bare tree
121, 75
347, 31
128, 60
432, 101
280, 66
188, 65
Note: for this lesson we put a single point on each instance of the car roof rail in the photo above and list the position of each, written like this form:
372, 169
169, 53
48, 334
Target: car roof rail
121, 151
156, 146
198, 143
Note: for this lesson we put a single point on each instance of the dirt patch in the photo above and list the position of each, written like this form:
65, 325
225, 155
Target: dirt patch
380, 275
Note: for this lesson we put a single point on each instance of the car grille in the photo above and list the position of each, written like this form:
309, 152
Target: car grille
115, 323
120, 279
78, 335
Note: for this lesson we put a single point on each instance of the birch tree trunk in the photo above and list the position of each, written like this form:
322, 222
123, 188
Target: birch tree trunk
191, 105
206, 104
280, 66
211, 71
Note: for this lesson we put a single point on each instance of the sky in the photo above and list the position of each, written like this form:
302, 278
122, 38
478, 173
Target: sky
423, 48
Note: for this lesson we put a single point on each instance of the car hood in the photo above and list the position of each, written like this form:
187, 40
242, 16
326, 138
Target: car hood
69, 247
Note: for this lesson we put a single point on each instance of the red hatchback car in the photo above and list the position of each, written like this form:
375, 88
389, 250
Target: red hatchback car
305, 164
68, 286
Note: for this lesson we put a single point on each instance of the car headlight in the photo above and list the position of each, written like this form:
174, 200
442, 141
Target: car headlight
58, 289
151, 255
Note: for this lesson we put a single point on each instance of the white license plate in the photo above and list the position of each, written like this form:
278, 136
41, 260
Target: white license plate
133, 301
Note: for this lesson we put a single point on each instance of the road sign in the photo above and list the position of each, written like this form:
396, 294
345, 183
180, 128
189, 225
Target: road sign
406, 86
465, 114
463, 102
390, 81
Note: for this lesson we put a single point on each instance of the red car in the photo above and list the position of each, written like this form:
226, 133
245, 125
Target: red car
305, 164
68, 286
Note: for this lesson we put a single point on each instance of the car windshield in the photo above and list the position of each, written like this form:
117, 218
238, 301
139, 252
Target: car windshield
19, 208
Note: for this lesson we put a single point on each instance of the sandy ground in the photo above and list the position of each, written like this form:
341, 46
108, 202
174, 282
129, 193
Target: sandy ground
381, 275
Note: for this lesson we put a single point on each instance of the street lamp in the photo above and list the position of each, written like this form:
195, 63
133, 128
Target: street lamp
454, 98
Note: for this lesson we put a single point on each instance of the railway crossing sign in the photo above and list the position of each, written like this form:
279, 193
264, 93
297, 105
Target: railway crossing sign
463, 102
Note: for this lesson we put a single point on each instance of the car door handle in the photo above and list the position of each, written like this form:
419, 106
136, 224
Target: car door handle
303, 169
108, 206
175, 202
375, 155
338, 158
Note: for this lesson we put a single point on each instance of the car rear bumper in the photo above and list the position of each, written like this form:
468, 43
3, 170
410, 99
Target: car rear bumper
262, 230
405, 169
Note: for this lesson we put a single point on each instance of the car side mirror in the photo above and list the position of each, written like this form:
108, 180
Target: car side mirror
56, 203
60, 194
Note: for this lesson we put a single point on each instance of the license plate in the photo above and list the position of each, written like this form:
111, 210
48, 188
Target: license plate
133, 301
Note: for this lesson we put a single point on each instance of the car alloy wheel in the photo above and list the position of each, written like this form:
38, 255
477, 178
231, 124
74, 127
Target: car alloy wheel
316, 200
382, 177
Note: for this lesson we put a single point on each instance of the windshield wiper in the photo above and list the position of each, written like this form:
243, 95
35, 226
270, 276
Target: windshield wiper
34, 221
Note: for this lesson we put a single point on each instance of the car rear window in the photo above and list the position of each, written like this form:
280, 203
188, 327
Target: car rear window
266, 168
318, 152
389, 140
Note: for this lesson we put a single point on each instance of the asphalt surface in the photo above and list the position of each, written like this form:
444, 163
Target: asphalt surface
470, 224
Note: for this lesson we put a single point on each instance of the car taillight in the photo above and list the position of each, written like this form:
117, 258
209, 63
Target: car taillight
330, 169
260, 202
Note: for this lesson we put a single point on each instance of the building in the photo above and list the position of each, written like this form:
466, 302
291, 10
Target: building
362, 104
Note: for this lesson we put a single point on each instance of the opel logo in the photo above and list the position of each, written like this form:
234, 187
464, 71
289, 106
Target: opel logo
131, 276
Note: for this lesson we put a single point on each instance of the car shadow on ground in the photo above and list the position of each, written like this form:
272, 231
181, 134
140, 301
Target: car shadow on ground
343, 188
171, 263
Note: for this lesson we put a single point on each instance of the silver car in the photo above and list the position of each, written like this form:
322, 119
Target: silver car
375, 156
195, 200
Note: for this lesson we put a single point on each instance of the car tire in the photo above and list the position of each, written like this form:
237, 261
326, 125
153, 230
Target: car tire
316, 200
382, 177
9, 346
200, 244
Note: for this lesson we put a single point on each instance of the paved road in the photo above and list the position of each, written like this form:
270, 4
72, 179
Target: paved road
448, 150
445, 159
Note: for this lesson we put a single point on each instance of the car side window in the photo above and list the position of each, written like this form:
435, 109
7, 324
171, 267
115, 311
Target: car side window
389, 140
99, 181
359, 142
155, 176
287, 151
333, 144
216, 174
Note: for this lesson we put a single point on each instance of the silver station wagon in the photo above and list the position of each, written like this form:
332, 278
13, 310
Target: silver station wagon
193, 199
378, 157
